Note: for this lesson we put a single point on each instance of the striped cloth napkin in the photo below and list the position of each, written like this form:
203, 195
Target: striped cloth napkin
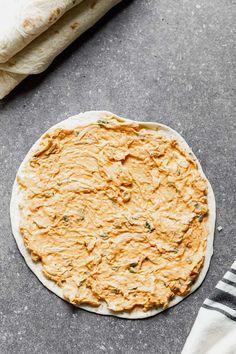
214, 331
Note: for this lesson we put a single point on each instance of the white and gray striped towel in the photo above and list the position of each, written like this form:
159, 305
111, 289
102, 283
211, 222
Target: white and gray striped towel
214, 331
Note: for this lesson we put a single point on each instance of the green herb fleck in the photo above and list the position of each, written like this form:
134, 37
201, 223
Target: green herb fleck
132, 267
115, 269
77, 133
149, 226
102, 122
200, 217
82, 281
66, 218
103, 234
81, 218
132, 270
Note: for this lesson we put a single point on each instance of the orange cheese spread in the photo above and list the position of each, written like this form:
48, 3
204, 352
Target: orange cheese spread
116, 213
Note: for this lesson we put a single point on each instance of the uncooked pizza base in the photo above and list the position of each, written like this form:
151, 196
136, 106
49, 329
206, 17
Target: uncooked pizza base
84, 119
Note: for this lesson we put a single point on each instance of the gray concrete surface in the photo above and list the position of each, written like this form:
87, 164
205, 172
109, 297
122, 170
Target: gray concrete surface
166, 61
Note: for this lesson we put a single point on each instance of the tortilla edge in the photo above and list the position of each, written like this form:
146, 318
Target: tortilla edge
89, 117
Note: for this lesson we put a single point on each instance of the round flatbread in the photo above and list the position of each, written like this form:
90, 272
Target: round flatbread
102, 118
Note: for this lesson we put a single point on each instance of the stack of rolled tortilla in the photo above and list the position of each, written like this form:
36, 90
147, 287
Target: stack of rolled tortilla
34, 32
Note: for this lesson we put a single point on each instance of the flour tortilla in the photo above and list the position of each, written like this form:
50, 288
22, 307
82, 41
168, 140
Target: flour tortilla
83, 119
8, 81
39, 54
24, 20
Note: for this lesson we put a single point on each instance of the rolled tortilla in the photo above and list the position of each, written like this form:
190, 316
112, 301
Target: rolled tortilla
24, 20
39, 54
8, 82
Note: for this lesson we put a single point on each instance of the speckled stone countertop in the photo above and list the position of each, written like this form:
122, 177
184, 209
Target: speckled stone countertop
165, 61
